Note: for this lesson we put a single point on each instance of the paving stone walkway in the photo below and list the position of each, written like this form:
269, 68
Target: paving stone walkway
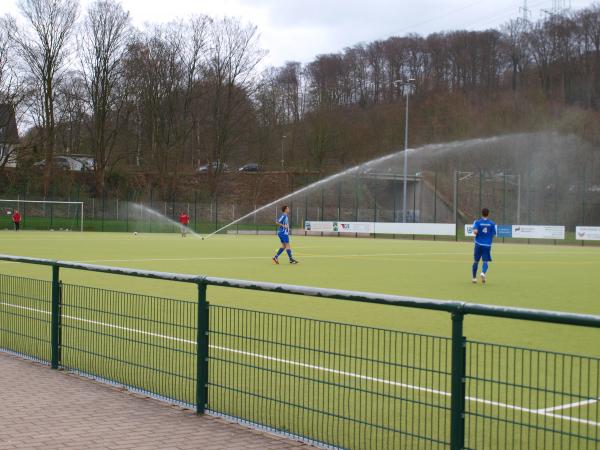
49, 409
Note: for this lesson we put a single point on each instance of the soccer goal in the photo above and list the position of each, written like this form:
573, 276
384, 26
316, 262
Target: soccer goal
42, 214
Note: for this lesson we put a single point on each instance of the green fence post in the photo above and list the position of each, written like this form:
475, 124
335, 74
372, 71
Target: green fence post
480, 189
435, 182
55, 319
374, 206
414, 202
529, 196
255, 222
356, 197
174, 214
81, 212
339, 211
455, 202
395, 193
583, 191
150, 221
216, 202
202, 351
196, 211
555, 196
25, 211
457, 400
504, 220
305, 207
504, 198
322, 204
103, 209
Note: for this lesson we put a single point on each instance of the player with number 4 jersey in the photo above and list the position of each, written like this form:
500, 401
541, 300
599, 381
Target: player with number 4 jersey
484, 230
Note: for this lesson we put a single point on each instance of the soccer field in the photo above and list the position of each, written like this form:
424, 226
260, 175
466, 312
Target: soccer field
561, 278
273, 354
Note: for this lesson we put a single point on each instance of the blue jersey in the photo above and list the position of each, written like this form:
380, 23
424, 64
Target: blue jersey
283, 220
486, 230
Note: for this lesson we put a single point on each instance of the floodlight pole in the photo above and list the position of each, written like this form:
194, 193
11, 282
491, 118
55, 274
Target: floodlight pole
282, 158
407, 85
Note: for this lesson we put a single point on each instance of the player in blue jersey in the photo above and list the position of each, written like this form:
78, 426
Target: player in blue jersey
283, 232
484, 230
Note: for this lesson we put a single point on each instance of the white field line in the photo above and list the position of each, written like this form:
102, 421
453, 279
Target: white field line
268, 257
265, 257
304, 256
589, 401
543, 412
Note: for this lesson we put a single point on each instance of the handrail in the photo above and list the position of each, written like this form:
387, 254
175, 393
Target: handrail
538, 315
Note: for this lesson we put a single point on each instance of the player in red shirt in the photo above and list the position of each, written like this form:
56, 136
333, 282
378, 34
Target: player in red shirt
184, 221
16, 218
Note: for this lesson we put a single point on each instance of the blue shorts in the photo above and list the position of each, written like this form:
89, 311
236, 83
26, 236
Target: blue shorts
284, 238
483, 252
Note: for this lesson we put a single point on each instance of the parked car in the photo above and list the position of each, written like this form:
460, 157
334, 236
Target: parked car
63, 162
214, 166
89, 162
250, 167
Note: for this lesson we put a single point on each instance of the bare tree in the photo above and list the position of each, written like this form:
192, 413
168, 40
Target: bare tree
164, 68
290, 82
11, 91
230, 80
515, 49
102, 48
543, 45
587, 47
71, 115
43, 46
321, 137
11, 81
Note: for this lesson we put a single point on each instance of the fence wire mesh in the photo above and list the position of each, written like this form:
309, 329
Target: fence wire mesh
527, 398
336, 384
25, 316
346, 385
146, 343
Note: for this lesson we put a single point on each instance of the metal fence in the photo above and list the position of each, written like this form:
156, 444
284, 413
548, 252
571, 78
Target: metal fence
332, 384
449, 197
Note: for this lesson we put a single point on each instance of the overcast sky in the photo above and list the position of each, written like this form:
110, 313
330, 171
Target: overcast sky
298, 30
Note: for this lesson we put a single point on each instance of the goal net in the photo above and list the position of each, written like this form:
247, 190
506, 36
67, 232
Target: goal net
42, 215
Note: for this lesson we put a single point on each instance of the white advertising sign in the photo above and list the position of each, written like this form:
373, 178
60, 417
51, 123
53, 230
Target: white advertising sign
434, 229
338, 227
439, 229
318, 226
587, 233
469, 230
538, 232
353, 227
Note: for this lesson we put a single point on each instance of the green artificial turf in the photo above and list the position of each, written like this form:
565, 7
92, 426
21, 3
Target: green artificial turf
530, 276
561, 278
